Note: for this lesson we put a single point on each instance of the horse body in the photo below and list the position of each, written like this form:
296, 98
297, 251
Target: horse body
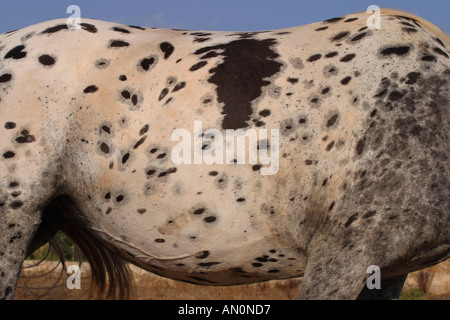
88, 117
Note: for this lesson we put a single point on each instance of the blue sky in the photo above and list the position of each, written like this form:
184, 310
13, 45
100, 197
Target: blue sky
229, 15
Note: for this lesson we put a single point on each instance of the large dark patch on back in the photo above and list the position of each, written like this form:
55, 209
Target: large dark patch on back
240, 77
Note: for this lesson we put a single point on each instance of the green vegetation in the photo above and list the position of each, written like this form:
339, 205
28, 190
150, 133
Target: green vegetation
412, 294
60, 243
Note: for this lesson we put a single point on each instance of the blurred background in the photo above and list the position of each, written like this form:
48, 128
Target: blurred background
230, 15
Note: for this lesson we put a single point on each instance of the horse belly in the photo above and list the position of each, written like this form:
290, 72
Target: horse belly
195, 224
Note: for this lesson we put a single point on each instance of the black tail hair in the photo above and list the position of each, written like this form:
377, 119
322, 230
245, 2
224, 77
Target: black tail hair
109, 271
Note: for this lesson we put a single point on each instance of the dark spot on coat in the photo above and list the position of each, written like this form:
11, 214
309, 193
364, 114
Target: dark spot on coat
90, 89
330, 146
395, 95
292, 80
179, 86
28, 36
123, 78
16, 205
429, 58
407, 24
10, 125
348, 57
106, 129
167, 48
163, 94
440, 42
359, 36
351, 19
56, 28
346, 80
141, 211
199, 211
25, 138
409, 30
412, 77
126, 94
162, 174
207, 264
331, 206
47, 60
340, 36
409, 19
13, 184
209, 55
102, 63
369, 214
88, 27
118, 44
198, 39
122, 30
159, 240
125, 158
16, 53
381, 94
314, 57
104, 147
332, 120
331, 54
399, 51
248, 61
325, 90
333, 20
137, 27
198, 65
5, 77
141, 141
146, 63
210, 219
360, 146
203, 255
221, 181
350, 220
169, 171
9, 155
273, 271
264, 113
134, 99
120, 198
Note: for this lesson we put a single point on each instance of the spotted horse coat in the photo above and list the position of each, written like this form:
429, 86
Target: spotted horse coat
86, 120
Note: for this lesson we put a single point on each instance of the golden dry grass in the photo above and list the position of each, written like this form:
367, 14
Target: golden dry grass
43, 283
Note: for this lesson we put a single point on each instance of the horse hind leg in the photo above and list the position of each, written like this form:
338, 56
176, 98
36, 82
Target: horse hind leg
19, 220
25, 188
339, 266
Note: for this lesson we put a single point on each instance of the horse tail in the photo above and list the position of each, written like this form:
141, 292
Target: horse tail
110, 273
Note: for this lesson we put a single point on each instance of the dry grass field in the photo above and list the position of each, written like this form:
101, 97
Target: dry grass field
48, 282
